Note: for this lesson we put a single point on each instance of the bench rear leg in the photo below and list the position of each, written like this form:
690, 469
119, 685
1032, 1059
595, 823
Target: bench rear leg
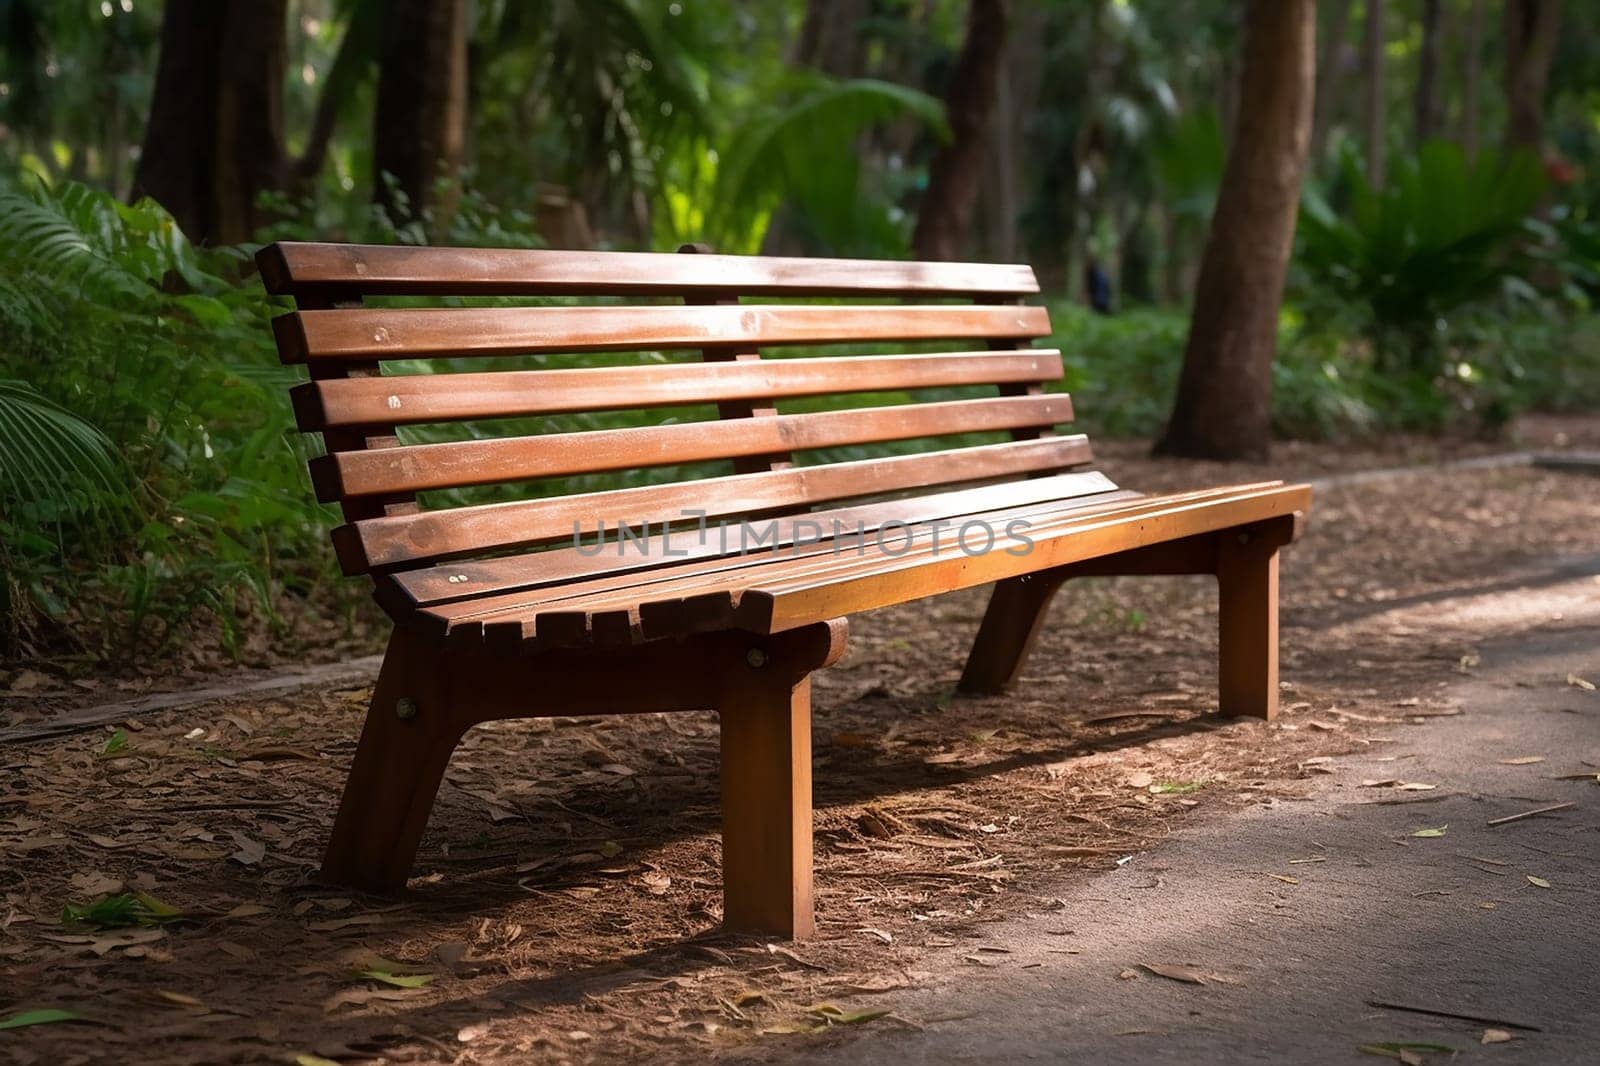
405, 745
1247, 578
1010, 626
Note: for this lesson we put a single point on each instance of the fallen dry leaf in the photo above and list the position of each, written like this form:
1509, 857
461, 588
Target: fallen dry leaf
1185, 974
1522, 760
1494, 1036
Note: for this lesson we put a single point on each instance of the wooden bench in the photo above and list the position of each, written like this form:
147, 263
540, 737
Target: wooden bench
726, 591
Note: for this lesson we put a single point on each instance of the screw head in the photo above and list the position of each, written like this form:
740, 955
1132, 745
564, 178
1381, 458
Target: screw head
405, 708
756, 657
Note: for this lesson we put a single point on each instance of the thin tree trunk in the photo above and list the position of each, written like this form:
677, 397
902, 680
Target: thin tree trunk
1224, 404
214, 141
1471, 82
830, 37
1531, 32
1330, 75
946, 213
1427, 96
1377, 126
419, 124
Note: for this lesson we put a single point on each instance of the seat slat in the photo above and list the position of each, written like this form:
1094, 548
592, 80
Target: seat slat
667, 600
706, 555
417, 468
785, 604
416, 398
480, 580
311, 268
567, 615
407, 333
399, 540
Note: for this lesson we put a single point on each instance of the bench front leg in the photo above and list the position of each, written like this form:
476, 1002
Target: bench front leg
765, 711
411, 730
1247, 580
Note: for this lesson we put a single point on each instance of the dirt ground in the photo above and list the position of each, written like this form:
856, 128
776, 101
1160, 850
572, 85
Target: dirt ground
567, 895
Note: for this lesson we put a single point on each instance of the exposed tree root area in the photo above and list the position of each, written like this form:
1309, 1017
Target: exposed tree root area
567, 897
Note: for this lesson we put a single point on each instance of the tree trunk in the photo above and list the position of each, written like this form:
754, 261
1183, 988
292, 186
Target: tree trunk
946, 213
1330, 74
1531, 29
830, 37
419, 124
1427, 97
1471, 94
214, 141
1376, 114
1224, 403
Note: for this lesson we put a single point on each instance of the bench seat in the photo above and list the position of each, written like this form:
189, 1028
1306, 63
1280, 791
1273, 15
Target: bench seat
654, 596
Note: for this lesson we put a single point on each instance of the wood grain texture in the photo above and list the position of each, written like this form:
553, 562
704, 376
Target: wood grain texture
482, 580
295, 268
413, 333
417, 468
403, 539
417, 398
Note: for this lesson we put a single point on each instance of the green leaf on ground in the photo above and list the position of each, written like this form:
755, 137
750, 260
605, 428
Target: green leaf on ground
1176, 788
408, 980
834, 1015
118, 741
1435, 832
40, 1017
120, 912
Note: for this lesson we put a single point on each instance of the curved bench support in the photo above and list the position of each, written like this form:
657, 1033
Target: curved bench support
428, 696
1243, 559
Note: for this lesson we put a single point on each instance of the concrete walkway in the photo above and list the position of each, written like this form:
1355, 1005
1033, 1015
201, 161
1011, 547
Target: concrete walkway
1299, 915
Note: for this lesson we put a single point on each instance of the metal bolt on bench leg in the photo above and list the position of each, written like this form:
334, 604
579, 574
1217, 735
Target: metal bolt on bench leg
756, 657
405, 708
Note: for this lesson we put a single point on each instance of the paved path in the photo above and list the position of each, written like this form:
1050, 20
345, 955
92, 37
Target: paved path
1452, 922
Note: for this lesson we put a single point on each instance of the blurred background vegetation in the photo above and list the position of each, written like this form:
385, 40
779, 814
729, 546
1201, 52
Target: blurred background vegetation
1446, 261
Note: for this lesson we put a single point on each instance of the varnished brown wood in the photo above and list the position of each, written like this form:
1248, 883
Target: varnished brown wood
396, 540
304, 269
706, 595
417, 468
1018, 605
1247, 586
416, 333
775, 607
686, 619
427, 697
482, 581
1006, 636
403, 399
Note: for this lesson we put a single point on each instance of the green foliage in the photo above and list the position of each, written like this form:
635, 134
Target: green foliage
152, 469
1440, 236
772, 158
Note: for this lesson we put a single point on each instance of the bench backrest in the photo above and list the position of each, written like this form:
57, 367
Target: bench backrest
684, 302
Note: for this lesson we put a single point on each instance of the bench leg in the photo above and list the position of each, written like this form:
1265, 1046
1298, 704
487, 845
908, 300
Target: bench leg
766, 810
765, 711
1010, 626
1247, 578
408, 738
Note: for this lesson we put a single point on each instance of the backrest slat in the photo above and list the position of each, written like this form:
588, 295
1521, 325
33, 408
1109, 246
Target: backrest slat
409, 504
418, 398
405, 540
379, 270
418, 468
412, 333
